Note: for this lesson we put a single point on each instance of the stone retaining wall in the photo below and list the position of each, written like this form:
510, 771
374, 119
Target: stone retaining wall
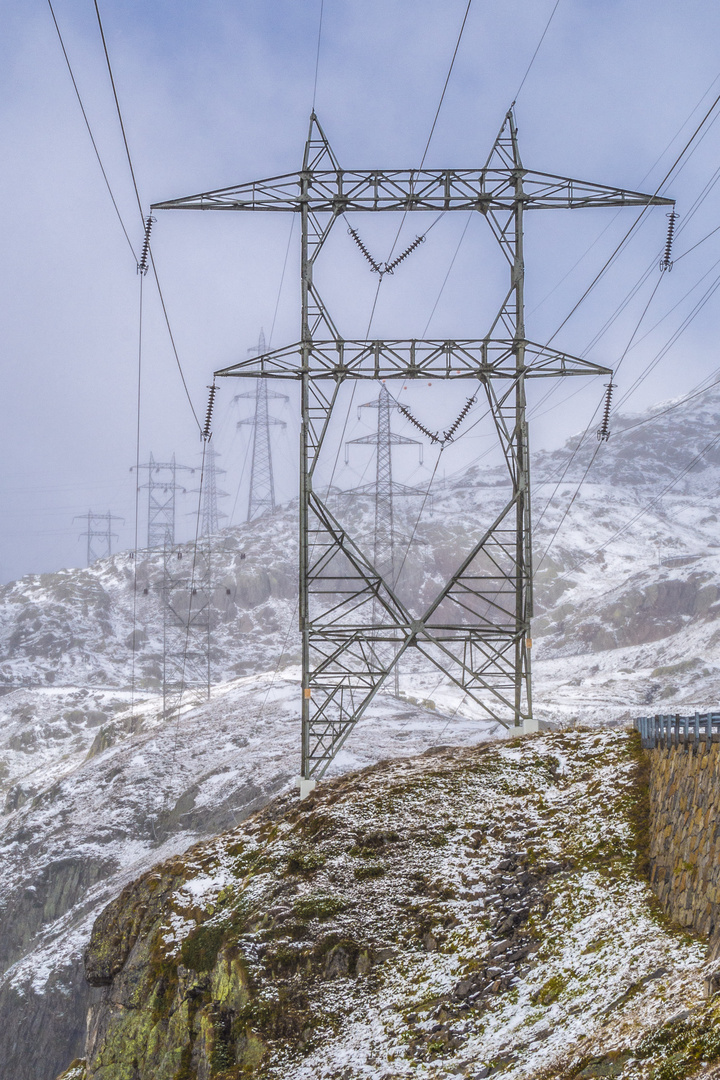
685, 835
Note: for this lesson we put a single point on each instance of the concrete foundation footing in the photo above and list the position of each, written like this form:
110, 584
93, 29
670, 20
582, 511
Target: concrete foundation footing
305, 786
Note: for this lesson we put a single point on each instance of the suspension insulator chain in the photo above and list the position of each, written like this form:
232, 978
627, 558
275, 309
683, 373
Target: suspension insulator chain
385, 267
206, 432
390, 267
374, 266
448, 435
142, 266
603, 432
666, 261
432, 436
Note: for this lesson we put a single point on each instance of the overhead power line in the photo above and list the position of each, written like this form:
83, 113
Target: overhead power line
608, 262
90, 133
117, 105
537, 50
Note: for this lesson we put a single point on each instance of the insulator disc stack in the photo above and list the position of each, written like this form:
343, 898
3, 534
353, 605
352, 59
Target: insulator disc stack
145, 252
432, 436
390, 267
666, 261
206, 431
448, 435
603, 432
374, 266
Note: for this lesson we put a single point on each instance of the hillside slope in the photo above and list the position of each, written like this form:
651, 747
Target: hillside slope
463, 913
96, 789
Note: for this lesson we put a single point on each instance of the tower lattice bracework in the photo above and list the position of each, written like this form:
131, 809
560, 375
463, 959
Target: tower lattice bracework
187, 595
99, 534
185, 590
261, 494
210, 513
384, 490
477, 629
162, 486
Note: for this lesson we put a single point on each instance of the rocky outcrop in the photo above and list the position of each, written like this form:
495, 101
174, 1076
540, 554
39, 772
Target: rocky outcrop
464, 913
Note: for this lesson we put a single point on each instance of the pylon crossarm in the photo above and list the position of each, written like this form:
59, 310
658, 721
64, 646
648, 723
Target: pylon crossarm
336, 191
414, 358
394, 439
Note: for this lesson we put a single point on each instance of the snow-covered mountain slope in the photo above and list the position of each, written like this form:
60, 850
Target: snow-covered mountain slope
96, 787
129, 792
469, 913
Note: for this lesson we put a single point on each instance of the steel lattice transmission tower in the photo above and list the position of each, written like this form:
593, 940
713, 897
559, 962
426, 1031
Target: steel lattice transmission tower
161, 487
477, 629
99, 540
187, 592
261, 496
210, 514
384, 489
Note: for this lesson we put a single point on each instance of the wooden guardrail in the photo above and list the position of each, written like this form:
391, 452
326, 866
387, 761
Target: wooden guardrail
676, 730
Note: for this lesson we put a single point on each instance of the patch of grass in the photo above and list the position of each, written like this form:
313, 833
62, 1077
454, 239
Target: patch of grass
304, 862
372, 870
437, 840
675, 669
638, 805
551, 990
677, 1048
316, 825
320, 907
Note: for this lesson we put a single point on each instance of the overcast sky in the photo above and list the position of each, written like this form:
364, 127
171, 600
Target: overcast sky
219, 92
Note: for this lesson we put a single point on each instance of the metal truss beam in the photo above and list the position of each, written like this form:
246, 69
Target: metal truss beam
416, 358
476, 631
338, 191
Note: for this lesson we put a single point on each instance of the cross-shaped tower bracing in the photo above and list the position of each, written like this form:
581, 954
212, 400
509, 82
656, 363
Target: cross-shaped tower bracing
162, 487
261, 496
210, 513
99, 534
476, 631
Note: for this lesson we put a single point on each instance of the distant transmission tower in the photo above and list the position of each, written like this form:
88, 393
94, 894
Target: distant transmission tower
384, 488
99, 540
161, 488
186, 604
261, 498
210, 514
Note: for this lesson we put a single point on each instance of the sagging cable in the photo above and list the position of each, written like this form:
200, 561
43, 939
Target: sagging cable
144, 264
